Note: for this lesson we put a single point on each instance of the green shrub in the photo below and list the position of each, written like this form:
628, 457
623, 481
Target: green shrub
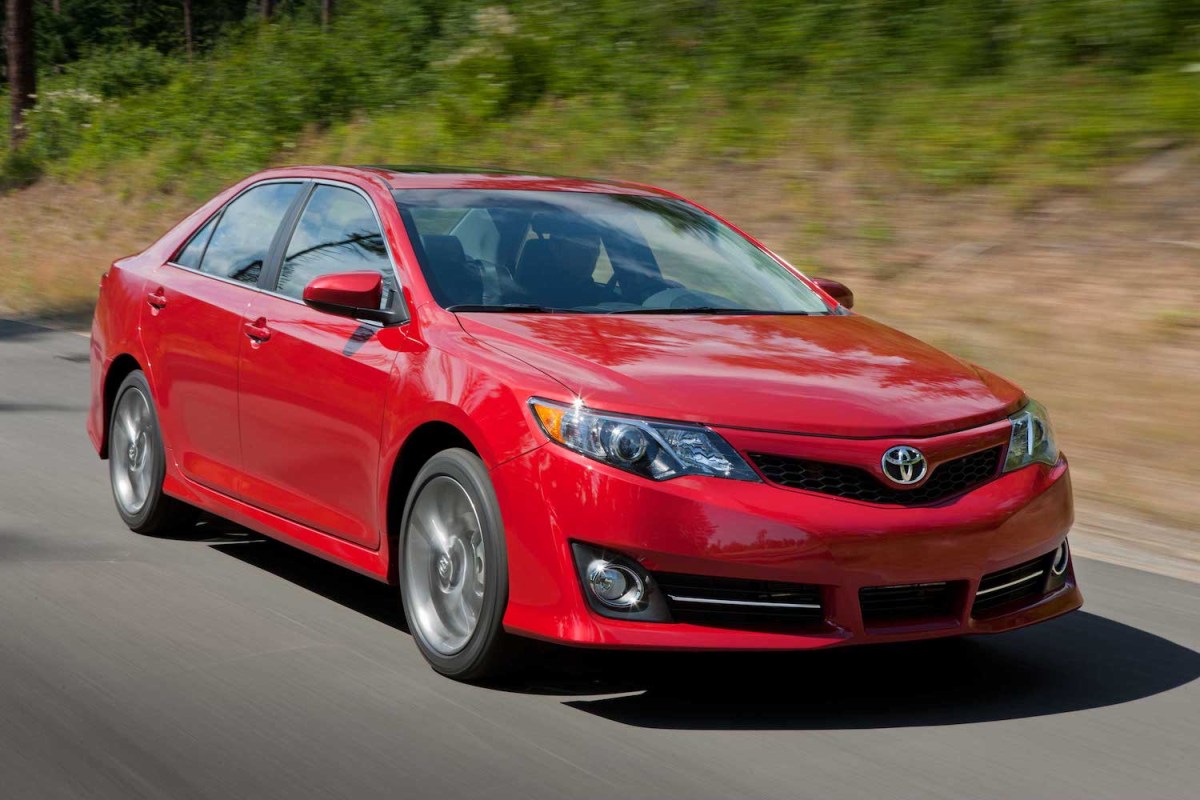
118, 71
951, 91
17, 169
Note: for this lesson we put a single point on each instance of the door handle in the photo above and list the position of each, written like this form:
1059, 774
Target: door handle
157, 298
258, 330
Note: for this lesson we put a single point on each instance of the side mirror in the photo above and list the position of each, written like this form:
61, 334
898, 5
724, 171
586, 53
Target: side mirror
837, 290
348, 294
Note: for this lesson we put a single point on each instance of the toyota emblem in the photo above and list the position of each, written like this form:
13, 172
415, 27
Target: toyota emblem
904, 465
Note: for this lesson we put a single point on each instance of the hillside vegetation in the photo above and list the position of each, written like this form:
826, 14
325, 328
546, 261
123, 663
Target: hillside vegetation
1013, 181
1032, 93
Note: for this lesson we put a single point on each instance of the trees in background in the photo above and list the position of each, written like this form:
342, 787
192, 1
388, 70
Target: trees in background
187, 28
862, 48
20, 63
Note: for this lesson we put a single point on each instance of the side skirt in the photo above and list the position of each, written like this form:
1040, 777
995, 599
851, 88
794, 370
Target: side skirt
373, 563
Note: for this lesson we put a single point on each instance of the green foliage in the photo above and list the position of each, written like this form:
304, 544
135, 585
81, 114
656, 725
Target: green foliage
110, 72
59, 123
952, 92
17, 170
84, 26
494, 70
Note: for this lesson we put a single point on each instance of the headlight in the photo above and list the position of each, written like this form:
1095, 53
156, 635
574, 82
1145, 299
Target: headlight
1032, 440
657, 450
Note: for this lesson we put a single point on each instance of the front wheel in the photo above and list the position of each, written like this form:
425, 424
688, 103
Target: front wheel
454, 568
137, 463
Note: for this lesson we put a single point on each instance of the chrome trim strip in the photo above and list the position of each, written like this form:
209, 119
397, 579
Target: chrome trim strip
1028, 577
253, 287
754, 603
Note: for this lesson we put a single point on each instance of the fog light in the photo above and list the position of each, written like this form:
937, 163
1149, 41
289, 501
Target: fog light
1062, 557
614, 585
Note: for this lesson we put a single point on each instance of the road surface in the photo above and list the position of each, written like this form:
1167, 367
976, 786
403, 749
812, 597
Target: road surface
221, 665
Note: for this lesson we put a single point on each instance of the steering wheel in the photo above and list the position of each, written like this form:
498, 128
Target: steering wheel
670, 298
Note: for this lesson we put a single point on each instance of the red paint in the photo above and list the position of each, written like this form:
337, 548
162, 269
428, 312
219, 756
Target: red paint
311, 408
291, 421
348, 289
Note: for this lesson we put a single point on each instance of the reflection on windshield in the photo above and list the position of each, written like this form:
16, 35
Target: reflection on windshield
526, 251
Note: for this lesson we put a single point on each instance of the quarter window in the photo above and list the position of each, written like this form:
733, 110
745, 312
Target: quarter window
190, 255
240, 244
337, 232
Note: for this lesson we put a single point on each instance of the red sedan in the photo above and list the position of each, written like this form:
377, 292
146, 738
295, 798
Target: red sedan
585, 412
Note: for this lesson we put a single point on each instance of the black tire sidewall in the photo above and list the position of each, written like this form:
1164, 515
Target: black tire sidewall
479, 655
155, 500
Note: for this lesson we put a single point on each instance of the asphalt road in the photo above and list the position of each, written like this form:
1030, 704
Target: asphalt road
220, 665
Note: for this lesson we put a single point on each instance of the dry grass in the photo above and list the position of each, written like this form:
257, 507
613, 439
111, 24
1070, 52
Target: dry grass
1088, 301
56, 240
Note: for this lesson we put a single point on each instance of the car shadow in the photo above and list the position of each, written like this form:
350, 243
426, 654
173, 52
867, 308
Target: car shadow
357, 592
1074, 663
1077, 662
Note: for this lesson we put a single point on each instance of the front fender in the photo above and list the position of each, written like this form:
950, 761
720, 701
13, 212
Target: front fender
460, 381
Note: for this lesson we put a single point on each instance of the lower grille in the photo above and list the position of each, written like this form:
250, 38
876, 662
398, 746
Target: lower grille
734, 602
911, 602
947, 480
1015, 583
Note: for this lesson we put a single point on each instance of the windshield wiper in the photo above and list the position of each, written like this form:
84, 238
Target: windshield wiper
516, 308
709, 310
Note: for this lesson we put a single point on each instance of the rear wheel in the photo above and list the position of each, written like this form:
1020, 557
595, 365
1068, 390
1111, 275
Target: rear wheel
454, 569
137, 463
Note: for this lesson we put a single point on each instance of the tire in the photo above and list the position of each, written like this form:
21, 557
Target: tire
137, 463
454, 568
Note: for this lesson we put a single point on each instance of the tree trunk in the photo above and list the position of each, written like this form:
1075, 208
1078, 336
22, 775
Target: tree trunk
187, 28
326, 13
268, 9
22, 67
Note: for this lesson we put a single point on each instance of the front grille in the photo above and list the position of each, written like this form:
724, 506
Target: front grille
948, 479
734, 602
910, 602
1008, 585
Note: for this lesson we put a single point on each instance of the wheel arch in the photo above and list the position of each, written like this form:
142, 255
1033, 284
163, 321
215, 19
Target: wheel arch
118, 371
425, 440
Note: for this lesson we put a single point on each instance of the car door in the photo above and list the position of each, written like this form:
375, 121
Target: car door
192, 331
314, 385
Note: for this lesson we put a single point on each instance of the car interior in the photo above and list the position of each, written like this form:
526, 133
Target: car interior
545, 258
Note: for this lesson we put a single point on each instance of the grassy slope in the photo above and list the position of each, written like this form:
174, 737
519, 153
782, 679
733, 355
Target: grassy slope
1004, 216
945, 93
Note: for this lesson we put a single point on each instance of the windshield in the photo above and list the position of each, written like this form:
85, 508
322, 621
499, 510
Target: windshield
576, 252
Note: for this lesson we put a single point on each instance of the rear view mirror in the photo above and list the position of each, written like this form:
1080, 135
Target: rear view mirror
348, 294
837, 290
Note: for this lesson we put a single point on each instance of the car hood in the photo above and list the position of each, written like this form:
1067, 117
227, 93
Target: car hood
827, 375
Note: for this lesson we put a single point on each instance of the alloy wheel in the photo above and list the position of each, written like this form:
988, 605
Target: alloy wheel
444, 558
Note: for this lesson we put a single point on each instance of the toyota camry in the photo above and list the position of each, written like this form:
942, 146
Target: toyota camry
586, 412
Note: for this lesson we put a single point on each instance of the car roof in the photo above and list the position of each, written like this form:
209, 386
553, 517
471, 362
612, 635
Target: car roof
441, 177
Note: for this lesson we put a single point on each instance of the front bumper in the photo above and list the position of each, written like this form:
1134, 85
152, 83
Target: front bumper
759, 531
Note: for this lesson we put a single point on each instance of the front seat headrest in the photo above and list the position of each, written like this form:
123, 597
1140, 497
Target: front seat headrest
452, 279
557, 270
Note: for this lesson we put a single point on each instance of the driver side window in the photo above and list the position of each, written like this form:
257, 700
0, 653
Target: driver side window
336, 233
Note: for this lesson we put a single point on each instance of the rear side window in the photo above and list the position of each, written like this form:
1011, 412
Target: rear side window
190, 255
239, 245
336, 233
